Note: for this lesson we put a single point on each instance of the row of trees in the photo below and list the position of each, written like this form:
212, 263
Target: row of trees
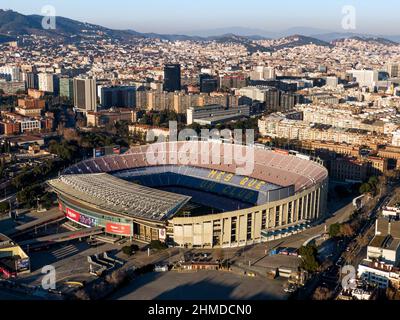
162, 118
371, 186
36, 174
29, 183
338, 230
95, 139
66, 150
251, 123
7, 101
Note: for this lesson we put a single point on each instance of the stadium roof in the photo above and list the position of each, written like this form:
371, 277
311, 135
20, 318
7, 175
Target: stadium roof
116, 195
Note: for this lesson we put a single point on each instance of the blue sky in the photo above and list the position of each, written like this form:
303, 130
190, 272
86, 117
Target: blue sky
180, 16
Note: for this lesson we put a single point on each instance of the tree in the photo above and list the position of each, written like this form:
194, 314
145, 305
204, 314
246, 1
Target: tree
322, 293
309, 258
38, 174
130, 249
334, 230
326, 264
70, 134
371, 186
127, 250
4, 207
135, 247
365, 188
373, 181
29, 194
346, 230
157, 244
81, 294
66, 150
145, 119
195, 126
122, 128
117, 277
157, 120
2, 168
46, 201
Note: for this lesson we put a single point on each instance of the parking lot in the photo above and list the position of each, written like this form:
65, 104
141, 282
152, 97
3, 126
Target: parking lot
201, 285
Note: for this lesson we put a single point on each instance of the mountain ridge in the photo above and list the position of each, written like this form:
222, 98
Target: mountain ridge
14, 24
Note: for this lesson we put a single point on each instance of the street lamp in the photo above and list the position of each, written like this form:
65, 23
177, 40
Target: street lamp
10, 208
16, 209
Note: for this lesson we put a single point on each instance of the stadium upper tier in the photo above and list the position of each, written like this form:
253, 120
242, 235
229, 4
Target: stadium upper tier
116, 195
275, 167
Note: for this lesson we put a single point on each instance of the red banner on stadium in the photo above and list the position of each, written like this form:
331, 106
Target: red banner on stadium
72, 214
118, 229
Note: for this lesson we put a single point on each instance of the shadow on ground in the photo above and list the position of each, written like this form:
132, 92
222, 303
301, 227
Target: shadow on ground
216, 287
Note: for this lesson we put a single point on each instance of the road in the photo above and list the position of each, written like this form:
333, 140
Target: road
297, 240
358, 253
330, 277
259, 253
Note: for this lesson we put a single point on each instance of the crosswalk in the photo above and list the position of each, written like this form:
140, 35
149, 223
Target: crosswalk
65, 251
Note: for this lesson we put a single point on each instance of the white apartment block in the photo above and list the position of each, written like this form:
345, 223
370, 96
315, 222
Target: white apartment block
30, 125
46, 82
262, 73
365, 78
12, 71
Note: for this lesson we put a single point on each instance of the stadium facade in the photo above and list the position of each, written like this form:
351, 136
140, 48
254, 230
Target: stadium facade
130, 195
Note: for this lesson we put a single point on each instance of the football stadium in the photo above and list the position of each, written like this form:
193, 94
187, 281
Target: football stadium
203, 202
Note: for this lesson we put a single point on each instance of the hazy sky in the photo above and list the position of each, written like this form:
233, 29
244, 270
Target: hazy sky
180, 16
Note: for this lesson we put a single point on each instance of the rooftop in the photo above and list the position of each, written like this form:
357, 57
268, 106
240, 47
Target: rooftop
109, 193
385, 242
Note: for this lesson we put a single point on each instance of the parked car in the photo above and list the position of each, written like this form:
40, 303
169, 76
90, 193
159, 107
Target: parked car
161, 268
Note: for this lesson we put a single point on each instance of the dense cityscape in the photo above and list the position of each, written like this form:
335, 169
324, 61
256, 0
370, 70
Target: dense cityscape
317, 217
